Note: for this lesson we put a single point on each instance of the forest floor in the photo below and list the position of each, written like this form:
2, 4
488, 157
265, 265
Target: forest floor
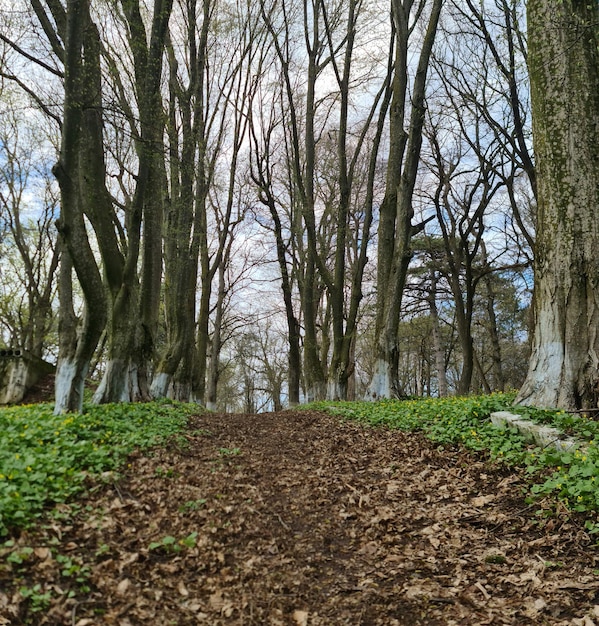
303, 519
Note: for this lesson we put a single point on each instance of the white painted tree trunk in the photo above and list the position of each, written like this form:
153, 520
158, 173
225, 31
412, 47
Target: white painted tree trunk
182, 391
68, 386
564, 68
160, 385
381, 384
115, 383
315, 392
18, 372
552, 378
335, 390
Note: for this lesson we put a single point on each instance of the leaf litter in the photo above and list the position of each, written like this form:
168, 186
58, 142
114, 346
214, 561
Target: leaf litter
300, 519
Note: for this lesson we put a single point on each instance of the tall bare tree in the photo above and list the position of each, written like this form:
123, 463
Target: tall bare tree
28, 209
133, 307
396, 212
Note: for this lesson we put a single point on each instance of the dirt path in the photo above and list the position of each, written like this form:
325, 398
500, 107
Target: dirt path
304, 520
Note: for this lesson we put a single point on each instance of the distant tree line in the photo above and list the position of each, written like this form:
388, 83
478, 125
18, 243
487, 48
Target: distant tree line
252, 204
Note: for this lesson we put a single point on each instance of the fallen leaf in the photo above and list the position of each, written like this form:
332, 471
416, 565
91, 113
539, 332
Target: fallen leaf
123, 586
482, 589
482, 500
393, 486
182, 589
216, 600
414, 591
300, 617
42, 553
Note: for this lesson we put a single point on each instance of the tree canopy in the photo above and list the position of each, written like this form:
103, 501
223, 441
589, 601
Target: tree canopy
256, 204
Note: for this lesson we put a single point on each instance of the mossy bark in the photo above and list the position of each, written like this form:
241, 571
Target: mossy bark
564, 68
76, 167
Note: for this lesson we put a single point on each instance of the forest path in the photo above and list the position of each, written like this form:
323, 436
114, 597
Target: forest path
303, 519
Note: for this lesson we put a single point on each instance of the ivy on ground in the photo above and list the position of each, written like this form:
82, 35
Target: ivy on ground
46, 458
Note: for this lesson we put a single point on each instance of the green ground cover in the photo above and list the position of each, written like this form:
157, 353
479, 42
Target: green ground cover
45, 458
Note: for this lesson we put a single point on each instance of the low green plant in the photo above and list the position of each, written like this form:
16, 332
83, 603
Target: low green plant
19, 556
103, 549
496, 559
38, 600
570, 476
74, 568
574, 479
45, 458
192, 505
229, 451
161, 472
172, 545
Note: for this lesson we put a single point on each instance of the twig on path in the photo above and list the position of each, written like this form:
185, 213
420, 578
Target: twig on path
282, 522
74, 610
513, 516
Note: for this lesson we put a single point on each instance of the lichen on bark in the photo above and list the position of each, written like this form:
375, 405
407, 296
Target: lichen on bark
564, 70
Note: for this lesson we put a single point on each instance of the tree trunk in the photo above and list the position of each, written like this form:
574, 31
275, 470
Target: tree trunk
439, 352
498, 380
130, 319
262, 179
76, 352
463, 310
213, 371
395, 227
564, 69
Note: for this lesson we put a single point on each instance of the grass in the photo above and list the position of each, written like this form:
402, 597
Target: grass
571, 478
46, 458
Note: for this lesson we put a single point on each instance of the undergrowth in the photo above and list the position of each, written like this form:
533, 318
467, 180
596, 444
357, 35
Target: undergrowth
571, 477
46, 458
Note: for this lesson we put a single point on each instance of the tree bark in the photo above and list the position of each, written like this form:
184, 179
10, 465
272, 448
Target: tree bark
498, 379
132, 322
563, 40
396, 213
216, 343
439, 352
74, 358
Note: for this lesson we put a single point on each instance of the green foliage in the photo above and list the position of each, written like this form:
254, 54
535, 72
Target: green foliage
574, 479
192, 505
573, 475
38, 600
164, 473
19, 556
229, 451
46, 458
172, 545
74, 568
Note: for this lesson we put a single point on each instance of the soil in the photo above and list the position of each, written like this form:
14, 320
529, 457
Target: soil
304, 520
41, 391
